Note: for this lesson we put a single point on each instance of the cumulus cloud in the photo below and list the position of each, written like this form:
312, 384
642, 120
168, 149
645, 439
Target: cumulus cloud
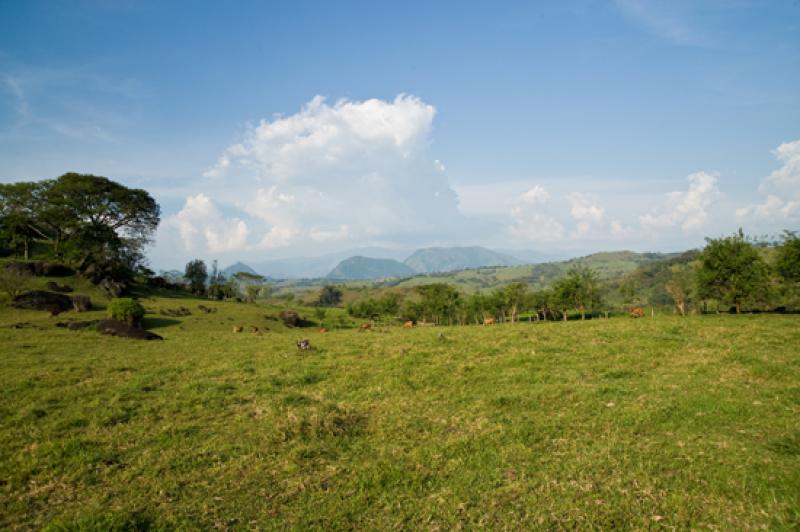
353, 170
534, 219
688, 210
782, 188
202, 227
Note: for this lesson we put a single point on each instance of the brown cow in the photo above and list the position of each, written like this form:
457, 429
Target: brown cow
409, 324
364, 327
323, 330
636, 312
238, 328
488, 321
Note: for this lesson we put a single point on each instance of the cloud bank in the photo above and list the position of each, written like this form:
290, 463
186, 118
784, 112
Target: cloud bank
351, 171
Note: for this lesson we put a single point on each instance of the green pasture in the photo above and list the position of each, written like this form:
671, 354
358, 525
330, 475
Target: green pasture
621, 423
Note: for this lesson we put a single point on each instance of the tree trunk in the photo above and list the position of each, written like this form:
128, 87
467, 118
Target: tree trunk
738, 308
565, 315
26, 248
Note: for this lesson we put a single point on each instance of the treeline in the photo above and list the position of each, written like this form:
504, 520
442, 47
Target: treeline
733, 273
93, 224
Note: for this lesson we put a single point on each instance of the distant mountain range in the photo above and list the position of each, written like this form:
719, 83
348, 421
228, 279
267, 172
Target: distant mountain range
378, 263
356, 268
438, 260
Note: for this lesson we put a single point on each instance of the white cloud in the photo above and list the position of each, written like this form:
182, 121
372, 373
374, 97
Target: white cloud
537, 194
584, 210
782, 188
689, 210
203, 228
532, 220
353, 170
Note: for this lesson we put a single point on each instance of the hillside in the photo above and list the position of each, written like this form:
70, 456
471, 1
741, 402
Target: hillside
608, 265
238, 267
437, 259
359, 267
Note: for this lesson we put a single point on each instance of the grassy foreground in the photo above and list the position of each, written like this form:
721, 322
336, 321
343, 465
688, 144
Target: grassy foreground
618, 423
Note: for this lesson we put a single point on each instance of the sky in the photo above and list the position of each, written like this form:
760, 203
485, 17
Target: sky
269, 130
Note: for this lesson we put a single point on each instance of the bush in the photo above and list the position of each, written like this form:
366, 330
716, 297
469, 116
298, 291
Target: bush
13, 281
127, 310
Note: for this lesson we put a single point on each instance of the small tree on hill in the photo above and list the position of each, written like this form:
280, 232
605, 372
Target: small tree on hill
731, 270
330, 296
196, 274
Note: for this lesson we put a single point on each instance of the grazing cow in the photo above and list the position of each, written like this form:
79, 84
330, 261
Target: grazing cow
323, 330
409, 324
238, 328
253, 328
303, 345
636, 312
364, 327
488, 321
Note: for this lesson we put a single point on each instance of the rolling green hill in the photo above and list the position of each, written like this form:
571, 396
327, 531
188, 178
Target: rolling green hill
436, 259
368, 268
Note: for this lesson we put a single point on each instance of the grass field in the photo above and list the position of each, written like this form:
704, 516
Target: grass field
621, 423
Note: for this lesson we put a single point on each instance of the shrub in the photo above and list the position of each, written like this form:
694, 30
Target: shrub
127, 310
13, 281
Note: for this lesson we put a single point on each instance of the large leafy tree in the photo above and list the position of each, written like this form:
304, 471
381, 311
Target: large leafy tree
731, 271
92, 222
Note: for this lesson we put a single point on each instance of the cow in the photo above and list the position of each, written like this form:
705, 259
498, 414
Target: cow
409, 324
488, 321
636, 312
323, 330
364, 327
238, 328
303, 345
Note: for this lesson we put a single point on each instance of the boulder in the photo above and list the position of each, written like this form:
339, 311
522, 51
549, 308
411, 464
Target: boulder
55, 287
81, 303
112, 289
290, 318
43, 300
41, 269
120, 328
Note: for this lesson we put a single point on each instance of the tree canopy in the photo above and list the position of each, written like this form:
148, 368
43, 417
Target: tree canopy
91, 222
731, 270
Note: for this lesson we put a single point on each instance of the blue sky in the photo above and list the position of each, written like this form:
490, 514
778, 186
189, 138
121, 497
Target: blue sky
563, 127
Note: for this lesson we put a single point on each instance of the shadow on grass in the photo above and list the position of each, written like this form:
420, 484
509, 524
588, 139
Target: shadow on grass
149, 323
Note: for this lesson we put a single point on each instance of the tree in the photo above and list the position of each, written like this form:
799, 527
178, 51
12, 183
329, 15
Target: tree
680, 285
731, 270
788, 260
196, 274
440, 302
97, 225
579, 289
330, 296
252, 291
13, 281
514, 296
216, 283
